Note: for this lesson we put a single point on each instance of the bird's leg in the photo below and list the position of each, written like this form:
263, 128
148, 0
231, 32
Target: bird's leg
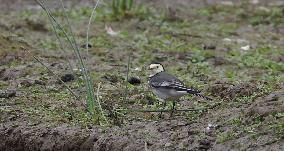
173, 107
164, 106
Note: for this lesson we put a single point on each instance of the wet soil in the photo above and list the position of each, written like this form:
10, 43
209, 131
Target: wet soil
171, 134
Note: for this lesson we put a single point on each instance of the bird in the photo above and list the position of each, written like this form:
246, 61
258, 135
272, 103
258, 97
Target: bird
167, 87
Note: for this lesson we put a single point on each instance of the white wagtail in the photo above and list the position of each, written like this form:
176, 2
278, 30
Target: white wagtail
168, 87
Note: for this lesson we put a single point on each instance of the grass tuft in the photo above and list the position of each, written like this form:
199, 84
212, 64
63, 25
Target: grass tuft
93, 104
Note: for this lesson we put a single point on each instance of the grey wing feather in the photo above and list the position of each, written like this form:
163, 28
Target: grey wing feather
168, 81
165, 80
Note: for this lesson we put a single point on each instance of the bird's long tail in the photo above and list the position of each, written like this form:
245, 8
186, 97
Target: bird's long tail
197, 93
203, 96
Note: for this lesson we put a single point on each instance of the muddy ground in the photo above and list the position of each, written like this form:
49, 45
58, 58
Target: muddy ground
231, 50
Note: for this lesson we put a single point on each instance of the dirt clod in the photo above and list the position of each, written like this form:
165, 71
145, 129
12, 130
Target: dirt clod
86, 46
205, 144
111, 78
67, 77
27, 82
9, 74
217, 61
37, 25
208, 46
7, 93
39, 82
134, 80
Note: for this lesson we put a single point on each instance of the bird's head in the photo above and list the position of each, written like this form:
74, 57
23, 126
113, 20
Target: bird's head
155, 68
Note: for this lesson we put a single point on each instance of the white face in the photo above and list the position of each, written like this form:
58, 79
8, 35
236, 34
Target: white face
155, 68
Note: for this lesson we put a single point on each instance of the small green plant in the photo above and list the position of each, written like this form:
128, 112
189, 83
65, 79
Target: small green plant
123, 9
92, 98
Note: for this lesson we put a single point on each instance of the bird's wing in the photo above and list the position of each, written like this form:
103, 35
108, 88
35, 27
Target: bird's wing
176, 85
165, 80
168, 81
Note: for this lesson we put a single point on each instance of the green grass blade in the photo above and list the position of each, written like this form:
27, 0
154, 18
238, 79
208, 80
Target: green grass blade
89, 87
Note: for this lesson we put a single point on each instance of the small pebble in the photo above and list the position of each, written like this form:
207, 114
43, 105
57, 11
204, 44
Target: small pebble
39, 82
111, 78
138, 69
85, 46
206, 47
168, 144
27, 82
245, 48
